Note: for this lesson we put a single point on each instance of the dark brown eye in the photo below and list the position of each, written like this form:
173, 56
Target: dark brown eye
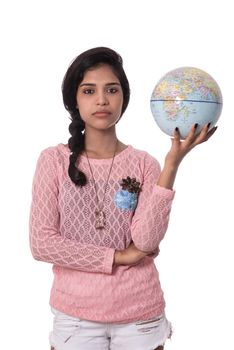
112, 90
88, 91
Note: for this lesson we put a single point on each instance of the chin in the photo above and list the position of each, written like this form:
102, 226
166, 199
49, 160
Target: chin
102, 125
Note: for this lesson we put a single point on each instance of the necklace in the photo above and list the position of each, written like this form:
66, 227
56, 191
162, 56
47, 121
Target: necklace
100, 216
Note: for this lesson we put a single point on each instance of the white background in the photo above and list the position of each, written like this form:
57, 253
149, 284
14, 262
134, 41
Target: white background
38, 41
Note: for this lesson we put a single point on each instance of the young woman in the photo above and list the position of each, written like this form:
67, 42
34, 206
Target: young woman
99, 211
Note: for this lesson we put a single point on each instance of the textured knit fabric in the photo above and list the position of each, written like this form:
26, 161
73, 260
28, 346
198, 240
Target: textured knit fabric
62, 232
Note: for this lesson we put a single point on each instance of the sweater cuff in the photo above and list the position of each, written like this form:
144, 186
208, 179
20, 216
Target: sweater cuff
109, 260
164, 192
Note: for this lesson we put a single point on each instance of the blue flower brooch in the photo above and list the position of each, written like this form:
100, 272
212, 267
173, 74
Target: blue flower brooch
127, 197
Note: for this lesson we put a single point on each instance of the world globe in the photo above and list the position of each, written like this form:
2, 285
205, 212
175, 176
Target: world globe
183, 97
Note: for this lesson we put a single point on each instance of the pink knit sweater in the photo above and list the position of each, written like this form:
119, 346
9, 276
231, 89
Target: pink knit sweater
62, 232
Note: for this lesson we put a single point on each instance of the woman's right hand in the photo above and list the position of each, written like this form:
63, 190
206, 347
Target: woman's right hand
132, 255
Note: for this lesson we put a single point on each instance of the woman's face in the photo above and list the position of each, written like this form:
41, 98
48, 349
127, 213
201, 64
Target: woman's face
100, 98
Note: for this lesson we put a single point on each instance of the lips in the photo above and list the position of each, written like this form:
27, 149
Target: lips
101, 113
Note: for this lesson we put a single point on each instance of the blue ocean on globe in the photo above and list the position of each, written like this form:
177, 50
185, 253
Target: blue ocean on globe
183, 97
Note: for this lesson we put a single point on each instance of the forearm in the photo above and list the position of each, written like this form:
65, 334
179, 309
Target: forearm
168, 175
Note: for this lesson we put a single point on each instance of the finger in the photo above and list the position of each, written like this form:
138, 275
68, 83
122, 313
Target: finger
205, 134
210, 133
201, 136
176, 135
192, 134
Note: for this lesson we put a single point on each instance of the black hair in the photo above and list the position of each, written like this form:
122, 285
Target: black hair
73, 77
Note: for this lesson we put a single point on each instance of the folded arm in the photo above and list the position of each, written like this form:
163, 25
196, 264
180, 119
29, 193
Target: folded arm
46, 242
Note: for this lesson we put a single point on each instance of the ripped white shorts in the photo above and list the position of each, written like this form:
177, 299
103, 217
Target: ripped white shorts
72, 333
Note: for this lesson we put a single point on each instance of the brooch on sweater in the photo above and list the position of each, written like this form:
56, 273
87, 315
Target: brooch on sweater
127, 197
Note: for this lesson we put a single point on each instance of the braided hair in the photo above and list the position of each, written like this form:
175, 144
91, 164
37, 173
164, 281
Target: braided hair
71, 81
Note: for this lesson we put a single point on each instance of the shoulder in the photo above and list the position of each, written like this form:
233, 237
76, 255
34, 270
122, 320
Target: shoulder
53, 158
146, 159
56, 152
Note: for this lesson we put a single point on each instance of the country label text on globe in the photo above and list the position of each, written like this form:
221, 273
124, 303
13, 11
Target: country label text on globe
183, 97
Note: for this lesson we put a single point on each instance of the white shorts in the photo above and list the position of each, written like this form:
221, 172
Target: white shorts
71, 333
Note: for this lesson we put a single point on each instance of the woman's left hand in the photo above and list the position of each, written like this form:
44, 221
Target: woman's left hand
180, 147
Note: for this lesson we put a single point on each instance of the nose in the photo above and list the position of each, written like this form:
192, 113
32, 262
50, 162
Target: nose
102, 98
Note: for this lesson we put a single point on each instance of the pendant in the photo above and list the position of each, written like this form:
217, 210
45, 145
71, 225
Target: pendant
100, 219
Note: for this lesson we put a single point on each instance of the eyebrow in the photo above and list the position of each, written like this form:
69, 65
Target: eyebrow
91, 84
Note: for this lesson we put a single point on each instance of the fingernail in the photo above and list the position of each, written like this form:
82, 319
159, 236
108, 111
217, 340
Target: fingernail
208, 125
176, 129
196, 125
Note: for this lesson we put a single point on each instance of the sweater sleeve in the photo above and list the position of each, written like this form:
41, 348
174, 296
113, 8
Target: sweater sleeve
46, 242
150, 220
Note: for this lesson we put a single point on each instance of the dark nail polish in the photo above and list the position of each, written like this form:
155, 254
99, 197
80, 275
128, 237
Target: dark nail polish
208, 125
196, 125
176, 129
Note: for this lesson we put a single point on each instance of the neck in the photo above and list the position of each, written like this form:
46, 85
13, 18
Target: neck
100, 144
